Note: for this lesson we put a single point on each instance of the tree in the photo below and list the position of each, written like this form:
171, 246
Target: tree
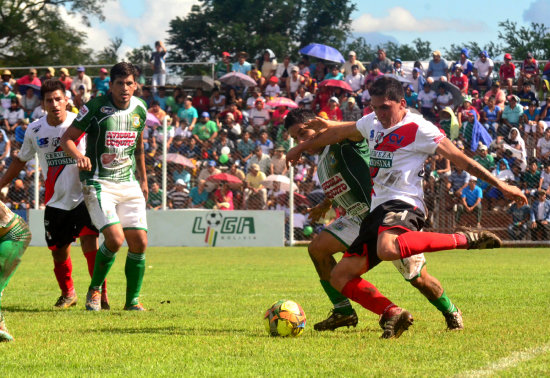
109, 54
519, 41
214, 26
453, 52
28, 26
421, 50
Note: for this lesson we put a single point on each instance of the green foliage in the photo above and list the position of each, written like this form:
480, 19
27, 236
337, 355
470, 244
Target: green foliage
420, 50
206, 307
109, 54
520, 40
140, 55
453, 52
215, 26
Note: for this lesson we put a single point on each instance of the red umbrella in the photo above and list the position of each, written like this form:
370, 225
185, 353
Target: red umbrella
282, 101
221, 177
333, 83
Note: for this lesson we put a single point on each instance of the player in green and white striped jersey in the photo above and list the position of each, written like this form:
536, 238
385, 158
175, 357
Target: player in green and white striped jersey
343, 173
114, 197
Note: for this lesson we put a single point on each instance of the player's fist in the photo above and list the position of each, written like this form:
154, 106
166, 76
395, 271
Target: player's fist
84, 163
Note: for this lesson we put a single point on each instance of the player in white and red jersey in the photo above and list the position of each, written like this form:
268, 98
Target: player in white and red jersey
66, 216
399, 142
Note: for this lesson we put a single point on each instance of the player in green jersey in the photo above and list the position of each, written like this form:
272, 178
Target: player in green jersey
14, 239
341, 171
115, 199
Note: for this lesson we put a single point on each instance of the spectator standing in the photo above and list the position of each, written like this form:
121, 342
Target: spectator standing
158, 65
483, 68
384, 64
241, 65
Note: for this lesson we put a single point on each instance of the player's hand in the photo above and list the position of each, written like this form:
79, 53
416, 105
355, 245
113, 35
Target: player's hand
319, 211
514, 193
293, 156
318, 124
84, 163
533, 225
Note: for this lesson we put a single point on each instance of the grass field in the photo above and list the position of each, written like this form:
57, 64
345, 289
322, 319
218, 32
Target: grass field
206, 307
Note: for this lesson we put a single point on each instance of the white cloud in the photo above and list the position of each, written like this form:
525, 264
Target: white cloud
402, 20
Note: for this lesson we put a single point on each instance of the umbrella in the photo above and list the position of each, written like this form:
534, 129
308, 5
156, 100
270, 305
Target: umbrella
238, 79
151, 120
282, 101
205, 83
399, 78
458, 99
224, 177
180, 159
284, 182
23, 89
325, 52
333, 83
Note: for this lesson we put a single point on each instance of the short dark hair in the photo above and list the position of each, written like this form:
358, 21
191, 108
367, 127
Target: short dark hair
354, 66
51, 85
387, 87
296, 116
123, 69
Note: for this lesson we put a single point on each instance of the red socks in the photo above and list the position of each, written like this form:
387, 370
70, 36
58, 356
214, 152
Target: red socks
63, 273
416, 242
90, 258
367, 295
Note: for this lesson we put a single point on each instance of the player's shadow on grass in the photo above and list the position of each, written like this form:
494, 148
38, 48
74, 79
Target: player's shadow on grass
27, 309
173, 331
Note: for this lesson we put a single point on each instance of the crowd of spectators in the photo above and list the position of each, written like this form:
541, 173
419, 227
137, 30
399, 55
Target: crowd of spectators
498, 115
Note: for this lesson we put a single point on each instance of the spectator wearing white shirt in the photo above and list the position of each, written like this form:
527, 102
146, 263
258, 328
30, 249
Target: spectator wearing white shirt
81, 79
304, 98
483, 67
426, 102
356, 80
259, 117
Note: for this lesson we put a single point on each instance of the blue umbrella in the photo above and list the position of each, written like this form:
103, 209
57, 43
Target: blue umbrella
323, 52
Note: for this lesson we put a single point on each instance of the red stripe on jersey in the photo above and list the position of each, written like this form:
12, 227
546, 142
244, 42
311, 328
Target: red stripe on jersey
398, 138
53, 174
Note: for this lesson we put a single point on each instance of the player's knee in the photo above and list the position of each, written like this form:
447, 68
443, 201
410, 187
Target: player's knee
114, 241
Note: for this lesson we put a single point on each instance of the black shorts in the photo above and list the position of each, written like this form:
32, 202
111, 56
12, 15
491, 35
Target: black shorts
392, 214
64, 226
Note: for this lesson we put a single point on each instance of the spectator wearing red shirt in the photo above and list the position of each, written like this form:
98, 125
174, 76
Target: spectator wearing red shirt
279, 115
497, 93
529, 71
232, 108
507, 72
200, 101
65, 78
333, 110
459, 79
31, 78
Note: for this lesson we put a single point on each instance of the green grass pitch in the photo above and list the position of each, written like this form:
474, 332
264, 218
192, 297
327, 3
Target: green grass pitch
206, 308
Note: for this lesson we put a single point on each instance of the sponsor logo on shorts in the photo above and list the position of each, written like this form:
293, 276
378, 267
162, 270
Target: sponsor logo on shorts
120, 138
82, 113
335, 186
107, 110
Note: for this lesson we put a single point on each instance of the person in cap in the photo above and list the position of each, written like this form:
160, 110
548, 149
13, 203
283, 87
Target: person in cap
223, 66
241, 65
334, 74
158, 64
7, 77
460, 79
293, 82
384, 64
463, 111
529, 71
350, 110
438, 68
6, 95
272, 89
48, 74
278, 162
483, 67
507, 72
101, 83
29, 101
30, 78
259, 117
81, 79
333, 110
208, 170
65, 78
398, 67
205, 130
471, 201
178, 198
188, 113
464, 62
255, 194
347, 68
484, 158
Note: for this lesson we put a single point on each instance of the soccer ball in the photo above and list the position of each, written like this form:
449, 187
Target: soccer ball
285, 318
214, 219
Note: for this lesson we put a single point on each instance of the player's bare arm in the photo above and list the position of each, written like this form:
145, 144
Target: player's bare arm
337, 132
69, 146
448, 150
15, 167
140, 166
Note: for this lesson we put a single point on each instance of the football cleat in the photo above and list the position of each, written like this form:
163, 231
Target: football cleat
136, 307
394, 322
4, 334
480, 239
454, 320
65, 302
337, 320
93, 300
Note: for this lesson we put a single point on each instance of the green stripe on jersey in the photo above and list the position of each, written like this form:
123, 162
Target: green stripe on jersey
344, 174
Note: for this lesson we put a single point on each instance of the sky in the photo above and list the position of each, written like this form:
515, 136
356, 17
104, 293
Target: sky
139, 22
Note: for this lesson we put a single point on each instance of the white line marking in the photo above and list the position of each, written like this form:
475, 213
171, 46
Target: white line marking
507, 362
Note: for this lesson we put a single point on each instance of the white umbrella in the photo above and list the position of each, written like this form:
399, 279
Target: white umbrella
284, 182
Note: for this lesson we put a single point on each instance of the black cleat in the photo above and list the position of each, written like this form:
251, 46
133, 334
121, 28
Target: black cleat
454, 321
337, 320
480, 239
395, 325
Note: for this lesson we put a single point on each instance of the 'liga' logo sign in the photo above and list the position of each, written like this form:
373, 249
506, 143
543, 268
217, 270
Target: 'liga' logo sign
215, 227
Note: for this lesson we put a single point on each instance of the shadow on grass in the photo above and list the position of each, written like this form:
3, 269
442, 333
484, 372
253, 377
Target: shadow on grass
172, 331
27, 309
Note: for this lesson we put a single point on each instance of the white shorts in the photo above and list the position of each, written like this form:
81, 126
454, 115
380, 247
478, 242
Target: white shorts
346, 230
110, 203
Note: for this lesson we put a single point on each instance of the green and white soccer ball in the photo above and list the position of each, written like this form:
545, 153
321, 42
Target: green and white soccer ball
285, 318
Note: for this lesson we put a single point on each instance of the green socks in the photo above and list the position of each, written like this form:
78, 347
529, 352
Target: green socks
103, 262
134, 269
444, 304
340, 302
10, 257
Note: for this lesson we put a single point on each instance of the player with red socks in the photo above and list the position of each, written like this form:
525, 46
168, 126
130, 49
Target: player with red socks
399, 144
66, 216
